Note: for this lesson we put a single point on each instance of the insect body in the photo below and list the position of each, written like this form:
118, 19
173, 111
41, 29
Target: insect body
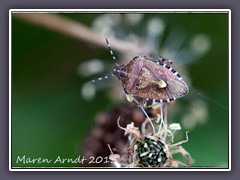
150, 80
147, 80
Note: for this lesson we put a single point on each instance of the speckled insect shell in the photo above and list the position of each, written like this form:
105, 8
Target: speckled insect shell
151, 80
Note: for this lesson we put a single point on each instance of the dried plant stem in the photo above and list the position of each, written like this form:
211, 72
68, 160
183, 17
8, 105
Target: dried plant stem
181, 142
165, 112
77, 30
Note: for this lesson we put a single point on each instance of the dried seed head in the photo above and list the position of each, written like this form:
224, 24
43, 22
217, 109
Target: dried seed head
151, 152
153, 149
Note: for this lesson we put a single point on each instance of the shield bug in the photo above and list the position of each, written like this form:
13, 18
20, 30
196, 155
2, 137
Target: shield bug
149, 80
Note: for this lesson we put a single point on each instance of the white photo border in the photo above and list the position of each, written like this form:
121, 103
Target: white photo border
11, 11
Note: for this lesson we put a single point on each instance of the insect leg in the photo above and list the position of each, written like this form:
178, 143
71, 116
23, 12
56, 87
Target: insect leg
150, 56
165, 60
139, 105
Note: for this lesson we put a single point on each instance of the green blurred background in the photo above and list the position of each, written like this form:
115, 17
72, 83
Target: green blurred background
50, 117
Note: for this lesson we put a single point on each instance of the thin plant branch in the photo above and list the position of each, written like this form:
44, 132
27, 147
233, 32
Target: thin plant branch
77, 30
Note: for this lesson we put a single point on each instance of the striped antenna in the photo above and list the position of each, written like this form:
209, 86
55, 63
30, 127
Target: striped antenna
101, 78
111, 51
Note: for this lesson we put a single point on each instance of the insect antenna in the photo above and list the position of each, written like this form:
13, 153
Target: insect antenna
111, 51
101, 78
